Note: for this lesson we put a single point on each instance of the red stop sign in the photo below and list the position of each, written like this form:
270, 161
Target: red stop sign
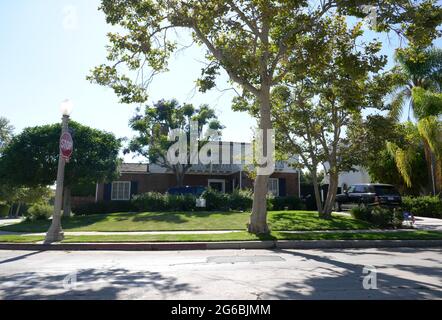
66, 145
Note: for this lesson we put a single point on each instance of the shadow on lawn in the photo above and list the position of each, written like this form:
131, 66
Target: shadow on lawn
310, 221
343, 280
91, 284
78, 222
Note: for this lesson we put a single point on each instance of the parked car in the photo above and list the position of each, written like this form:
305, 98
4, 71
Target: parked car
369, 194
193, 190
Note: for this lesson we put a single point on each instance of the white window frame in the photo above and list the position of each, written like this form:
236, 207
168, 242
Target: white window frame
277, 187
117, 198
217, 181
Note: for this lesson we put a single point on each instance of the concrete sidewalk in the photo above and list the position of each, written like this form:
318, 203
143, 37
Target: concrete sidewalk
139, 233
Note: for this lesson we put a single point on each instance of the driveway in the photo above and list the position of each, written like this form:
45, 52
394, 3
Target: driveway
223, 274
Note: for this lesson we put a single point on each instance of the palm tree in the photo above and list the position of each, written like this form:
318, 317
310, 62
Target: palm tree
419, 79
422, 70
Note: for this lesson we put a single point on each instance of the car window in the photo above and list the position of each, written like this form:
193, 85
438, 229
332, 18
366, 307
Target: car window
351, 189
360, 189
386, 190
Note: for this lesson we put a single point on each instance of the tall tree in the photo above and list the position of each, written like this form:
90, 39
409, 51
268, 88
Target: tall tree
155, 124
416, 72
315, 112
6, 131
31, 158
419, 86
254, 41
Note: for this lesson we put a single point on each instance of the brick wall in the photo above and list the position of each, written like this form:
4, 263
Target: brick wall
161, 182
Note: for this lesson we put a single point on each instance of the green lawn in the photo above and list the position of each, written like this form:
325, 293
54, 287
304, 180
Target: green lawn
168, 221
238, 236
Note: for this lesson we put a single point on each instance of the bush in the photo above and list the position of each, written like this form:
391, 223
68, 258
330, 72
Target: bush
241, 200
180, 202
428, 206
290, 202
379, 216
103, 207
154, 201
4, 210
361, 213
216, 200
151, 201
40, 211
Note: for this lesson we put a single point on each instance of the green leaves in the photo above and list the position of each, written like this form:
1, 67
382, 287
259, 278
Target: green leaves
31, 159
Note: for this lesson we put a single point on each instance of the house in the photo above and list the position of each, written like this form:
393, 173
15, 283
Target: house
136, 178
346, 179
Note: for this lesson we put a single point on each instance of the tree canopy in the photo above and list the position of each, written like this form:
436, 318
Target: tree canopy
258, 43
31, 158
154, 125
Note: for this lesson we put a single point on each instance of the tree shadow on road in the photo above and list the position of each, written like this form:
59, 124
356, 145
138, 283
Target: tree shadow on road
91, 284
334, 279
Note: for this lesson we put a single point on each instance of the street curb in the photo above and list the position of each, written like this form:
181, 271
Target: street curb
281, 244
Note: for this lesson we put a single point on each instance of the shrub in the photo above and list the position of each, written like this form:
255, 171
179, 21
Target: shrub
379, 216
427, 206
361, 213
290, 202
150, 201
241, 200
103, 207
180, 202
40, 211
216, 200
4, 210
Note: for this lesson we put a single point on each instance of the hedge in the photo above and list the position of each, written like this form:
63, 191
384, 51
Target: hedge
379, 216
238, 200
426, 206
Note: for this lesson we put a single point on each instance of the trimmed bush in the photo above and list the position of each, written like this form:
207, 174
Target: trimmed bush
185, 202
103, 207
287, 203
361, 213
241, 200
39, 211
379, 216
151, 201
427, 206
216, 200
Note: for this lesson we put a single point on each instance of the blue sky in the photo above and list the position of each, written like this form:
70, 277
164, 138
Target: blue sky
48, 48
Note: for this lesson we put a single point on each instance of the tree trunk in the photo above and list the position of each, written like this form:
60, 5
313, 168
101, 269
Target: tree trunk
258, 218
331, 197
179, 174
17, 210
317, 191
67, 206
430, 168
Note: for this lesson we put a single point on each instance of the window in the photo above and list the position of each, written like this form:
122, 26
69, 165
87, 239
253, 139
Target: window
217, 184
274, 186
361, 189
120, 191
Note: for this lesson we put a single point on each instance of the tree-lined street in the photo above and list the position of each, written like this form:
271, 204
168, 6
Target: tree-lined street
222, 274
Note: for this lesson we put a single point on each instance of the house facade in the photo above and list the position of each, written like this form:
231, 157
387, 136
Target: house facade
138, 178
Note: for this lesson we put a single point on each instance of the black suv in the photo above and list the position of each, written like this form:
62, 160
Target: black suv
369, 194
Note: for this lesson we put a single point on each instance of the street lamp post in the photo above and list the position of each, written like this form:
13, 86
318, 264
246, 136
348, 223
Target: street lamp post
55, 232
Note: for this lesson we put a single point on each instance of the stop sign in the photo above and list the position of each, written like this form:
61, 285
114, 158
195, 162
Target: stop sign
66, 145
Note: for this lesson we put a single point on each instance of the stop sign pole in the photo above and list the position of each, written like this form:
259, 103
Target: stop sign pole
55, 232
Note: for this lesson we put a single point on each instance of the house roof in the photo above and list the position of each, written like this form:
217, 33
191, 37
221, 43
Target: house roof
134, 168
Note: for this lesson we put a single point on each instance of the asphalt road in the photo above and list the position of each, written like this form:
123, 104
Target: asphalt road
222, 274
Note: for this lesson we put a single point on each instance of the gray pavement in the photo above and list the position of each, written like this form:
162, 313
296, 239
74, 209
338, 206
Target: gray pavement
221, 274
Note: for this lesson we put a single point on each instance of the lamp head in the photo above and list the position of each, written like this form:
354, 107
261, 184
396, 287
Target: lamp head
66, 107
